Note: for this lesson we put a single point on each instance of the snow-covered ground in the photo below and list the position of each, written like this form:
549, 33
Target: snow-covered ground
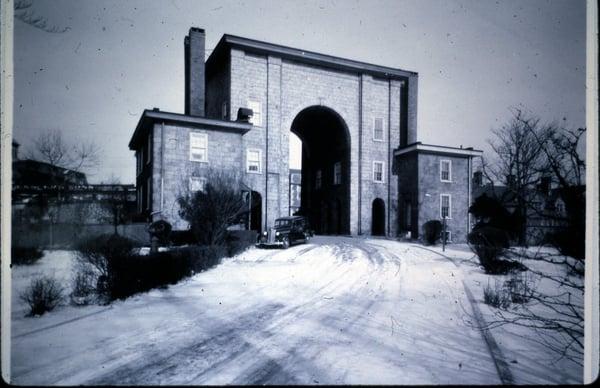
335, 311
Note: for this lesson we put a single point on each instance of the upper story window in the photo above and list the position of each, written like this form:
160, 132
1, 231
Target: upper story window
198, 147
197, 183
256, 118
378, 172
337, 173
446, 170
318, 176
225, 110
445, 206
253, 158
378, 129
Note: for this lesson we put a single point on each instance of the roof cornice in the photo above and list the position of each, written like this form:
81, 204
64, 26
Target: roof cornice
151, 116
436, 149
309, 57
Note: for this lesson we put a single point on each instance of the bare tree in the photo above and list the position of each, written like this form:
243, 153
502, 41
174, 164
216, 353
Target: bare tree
213, 208
114, 203
518, 160
24, 13
50, 147
526, 150
557, 316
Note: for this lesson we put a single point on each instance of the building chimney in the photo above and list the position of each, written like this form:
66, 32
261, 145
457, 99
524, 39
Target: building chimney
194, 72
15, 150
478, 178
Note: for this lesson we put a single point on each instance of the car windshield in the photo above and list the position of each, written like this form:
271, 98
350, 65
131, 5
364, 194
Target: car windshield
279, 223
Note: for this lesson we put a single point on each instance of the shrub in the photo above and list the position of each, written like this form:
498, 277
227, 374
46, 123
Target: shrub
108, 267
211, 210
25, 256
102, 251
83, 284
182, 237
520, 287
240, 240
432, 230
497, 297
489, 244
43, 294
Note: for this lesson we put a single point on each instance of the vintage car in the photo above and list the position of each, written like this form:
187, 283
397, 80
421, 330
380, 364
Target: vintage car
285, 232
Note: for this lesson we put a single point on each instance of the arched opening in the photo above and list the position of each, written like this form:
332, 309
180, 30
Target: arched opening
254, 214
325, 169
378, 217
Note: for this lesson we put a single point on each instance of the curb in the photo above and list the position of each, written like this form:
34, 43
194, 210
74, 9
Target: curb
497, 356
61, 323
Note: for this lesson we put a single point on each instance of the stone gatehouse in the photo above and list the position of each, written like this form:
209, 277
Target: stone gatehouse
358, 127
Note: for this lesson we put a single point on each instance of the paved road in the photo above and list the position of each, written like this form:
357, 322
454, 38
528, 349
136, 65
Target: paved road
335, 311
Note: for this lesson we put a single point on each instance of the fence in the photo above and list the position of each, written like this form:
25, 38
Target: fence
67, 235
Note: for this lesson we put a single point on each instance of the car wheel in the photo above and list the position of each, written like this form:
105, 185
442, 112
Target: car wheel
286, 242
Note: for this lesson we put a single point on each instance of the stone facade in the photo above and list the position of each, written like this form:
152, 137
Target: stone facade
375, 106
422, 185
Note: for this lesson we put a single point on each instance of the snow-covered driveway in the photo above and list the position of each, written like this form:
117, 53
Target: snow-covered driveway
335, 311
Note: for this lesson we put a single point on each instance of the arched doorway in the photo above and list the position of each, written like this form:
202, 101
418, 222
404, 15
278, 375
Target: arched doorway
255, 219
325, 192
378, 217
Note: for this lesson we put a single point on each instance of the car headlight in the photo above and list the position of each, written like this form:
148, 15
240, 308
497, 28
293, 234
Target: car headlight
276, 233
265, 233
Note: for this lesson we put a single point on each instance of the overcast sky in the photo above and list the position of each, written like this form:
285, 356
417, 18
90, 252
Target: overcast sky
475, 59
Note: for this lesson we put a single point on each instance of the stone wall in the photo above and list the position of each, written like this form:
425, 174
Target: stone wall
224, 153
284, 88
431, 187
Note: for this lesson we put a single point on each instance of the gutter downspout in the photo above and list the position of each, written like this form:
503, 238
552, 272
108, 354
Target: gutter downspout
360, 92
469, 196
389, 165
162, 164
267, 152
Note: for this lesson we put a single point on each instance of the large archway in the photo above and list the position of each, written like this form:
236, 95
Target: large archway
325, 193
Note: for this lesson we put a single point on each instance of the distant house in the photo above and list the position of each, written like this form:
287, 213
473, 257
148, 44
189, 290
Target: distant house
545, 214
46, 194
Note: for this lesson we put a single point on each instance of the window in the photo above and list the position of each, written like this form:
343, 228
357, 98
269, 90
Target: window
148, 194
378, 172
253, 158
197, 183
149, 150
256, 113
378, 129
337, 173
446, 170
198, 147
445, 206
224, 110
318, 179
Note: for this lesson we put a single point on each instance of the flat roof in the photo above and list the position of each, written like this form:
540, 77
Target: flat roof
306, 56
436, 149
149, 117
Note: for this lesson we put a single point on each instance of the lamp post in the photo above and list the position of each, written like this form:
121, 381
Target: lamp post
444, 234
